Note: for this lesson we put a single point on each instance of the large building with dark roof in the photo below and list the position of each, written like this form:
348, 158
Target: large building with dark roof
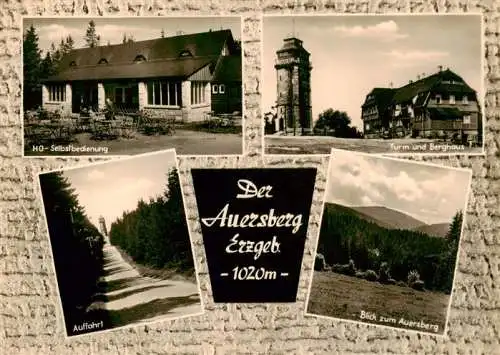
182, 76
441, 105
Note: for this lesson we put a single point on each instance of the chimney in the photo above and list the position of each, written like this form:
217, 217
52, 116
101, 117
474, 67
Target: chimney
410, 82
440, 67
391, 84
418, 77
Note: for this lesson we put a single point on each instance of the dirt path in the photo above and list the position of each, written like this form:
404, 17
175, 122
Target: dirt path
129, 297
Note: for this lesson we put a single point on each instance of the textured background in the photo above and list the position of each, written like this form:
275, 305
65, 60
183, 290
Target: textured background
30, 318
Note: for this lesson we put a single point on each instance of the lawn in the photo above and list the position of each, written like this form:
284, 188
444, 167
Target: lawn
345, 297
323, 145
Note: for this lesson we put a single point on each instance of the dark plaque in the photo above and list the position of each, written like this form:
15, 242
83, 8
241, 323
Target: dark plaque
254, 225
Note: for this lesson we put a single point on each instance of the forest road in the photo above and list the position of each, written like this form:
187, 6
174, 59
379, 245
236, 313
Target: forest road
129, 297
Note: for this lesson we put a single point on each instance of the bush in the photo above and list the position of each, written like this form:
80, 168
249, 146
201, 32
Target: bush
413, 276
371, 275
418, 285
319, 262
360, 274
384, 274
351, 268
391, 282
401, 283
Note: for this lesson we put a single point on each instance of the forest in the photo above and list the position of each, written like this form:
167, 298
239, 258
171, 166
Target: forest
77, 247
155, 234
345, 236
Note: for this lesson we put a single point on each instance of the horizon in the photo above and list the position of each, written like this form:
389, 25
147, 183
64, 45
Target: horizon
398, 210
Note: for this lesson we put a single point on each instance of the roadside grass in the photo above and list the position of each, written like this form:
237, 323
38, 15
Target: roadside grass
212, 128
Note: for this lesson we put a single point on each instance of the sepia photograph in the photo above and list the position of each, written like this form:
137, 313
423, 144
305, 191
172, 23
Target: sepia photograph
395, 84
127, 86
120, 243
388, 242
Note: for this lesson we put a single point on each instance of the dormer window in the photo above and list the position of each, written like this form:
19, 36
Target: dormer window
438, 99
139, 58
72, 64
465, 100
185, 53
103, 61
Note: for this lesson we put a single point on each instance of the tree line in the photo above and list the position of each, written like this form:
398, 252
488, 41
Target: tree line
344, 236
155, 233
77, 247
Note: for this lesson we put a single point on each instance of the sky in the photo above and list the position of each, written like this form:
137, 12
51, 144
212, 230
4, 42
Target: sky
51, 30
430, 193
111, 188
351, 55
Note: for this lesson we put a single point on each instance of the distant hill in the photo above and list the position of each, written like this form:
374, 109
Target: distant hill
437, 230
388, 218
392, 219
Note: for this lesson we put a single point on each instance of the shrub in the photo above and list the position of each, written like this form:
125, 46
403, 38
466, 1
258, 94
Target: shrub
401, 283
351, 268
371, 275
319, 262
418, 285
413, 276
384, 274
360, 274
337, 268
391, 282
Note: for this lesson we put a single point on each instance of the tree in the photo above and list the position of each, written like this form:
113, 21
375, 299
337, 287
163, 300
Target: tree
336, 122
455, 228
91, 37
47, 67
32, 59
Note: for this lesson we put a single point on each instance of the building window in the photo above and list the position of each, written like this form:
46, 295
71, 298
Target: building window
185, 53
103, 61
367, 127
465, 100
198, 92
222, 89
164, 93
72, 64
452, 99
467, 119
438, 99
139, 58
57, 93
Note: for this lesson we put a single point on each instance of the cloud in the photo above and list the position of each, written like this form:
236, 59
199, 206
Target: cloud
404, 58
385, 31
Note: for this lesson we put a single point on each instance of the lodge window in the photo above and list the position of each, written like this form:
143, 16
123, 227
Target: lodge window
198, 92
139, 58
467, 119
57, 93
72, 64
438, 99
215, 89
222, 89
452, 99
103, 61
185, 53
465, 100
164, 93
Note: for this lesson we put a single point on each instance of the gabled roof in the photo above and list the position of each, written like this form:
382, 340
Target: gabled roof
162, 68
228, 69
163, 57
442, 81
382, 97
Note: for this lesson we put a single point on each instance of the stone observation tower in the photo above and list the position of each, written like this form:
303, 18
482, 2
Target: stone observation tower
102, 227
293, 102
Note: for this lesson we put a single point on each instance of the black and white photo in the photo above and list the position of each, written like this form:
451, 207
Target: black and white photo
120, 243
126, 86
398, 84
388, 242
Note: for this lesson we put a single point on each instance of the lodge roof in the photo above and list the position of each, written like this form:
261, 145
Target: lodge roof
381, 96
170, 56
443, 81
228, 69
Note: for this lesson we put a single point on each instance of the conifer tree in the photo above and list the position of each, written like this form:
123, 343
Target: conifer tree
91, 37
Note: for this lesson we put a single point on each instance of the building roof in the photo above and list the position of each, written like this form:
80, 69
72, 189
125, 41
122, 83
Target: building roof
443, 81
170, 56
180, 68
228, 69
292, 44
382, 97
